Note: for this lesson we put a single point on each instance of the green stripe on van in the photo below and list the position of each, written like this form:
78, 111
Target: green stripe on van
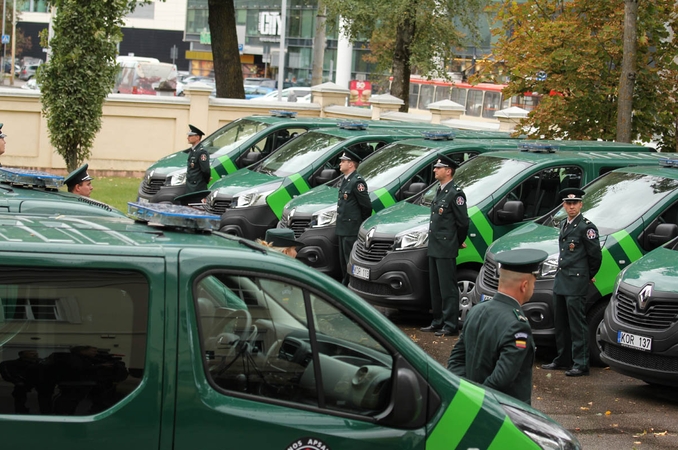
293, 185
385, 199
511, 437
619, 251
458, 417
484, 227
469, 254
224, 168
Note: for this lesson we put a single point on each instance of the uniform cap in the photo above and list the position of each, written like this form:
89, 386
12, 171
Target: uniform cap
523, 260
195, 131
77, 176
282, 237
348, 155
445, 161
2, 135
572, 194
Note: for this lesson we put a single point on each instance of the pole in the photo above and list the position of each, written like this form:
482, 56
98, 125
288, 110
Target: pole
11, 73
281, 56
4, 47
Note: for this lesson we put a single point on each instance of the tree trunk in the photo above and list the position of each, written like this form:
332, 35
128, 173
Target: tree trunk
400, 86
227, 69
319, 42
628, 72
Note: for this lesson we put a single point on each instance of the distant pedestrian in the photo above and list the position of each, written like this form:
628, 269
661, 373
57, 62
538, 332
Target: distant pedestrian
496, 348
447, 232
579, 261
2, 141
198, 170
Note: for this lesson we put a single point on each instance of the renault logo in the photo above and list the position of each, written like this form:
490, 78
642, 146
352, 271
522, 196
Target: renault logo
644, 295
368, 238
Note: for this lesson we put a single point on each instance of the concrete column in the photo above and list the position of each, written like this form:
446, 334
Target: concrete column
384, 103
509, 117
445, 110
199, 96
329, 94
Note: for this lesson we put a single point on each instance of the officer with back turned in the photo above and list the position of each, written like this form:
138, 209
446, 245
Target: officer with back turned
496, 348
446, 235
579, 261
198, 171
353, 207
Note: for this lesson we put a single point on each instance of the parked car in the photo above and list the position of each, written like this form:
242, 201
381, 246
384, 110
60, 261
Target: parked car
140, 75
255, 81
193, 79
303, 95
31, 84
27, 72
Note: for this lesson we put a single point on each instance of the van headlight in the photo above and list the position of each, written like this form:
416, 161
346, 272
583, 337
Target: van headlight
549, 267
548, 435
325, 217
412, 238
253, 197
177, 178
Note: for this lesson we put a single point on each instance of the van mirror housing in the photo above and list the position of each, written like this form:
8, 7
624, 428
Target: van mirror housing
512, 212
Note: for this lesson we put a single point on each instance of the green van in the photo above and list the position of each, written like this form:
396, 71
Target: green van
398, 171
37, 192
124, 334
635, 210
503, 189
251, 201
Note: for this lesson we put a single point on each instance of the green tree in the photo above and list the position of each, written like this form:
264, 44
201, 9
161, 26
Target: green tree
579, 46
80, 72
225, 54
407, 34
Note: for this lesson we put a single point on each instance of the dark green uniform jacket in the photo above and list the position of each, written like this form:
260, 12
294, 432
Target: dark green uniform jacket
198, 169
449, 222
580, 257
354, 205
496, 348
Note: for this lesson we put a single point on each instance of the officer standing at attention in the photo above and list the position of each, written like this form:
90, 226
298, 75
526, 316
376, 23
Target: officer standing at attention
2, 142
496, 348
579, 261
79, 182
446, 235
353, 207
198, 170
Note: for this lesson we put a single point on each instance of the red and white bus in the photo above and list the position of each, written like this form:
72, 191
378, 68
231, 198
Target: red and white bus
480, 101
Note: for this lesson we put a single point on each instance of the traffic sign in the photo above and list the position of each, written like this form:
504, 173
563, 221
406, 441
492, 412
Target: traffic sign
5, 38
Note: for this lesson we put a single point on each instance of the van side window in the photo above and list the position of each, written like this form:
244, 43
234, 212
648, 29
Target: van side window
539, 193
71, 343
289, 344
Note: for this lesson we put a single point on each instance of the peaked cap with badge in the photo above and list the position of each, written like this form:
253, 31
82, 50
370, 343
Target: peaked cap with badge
198, 169
499, 323
445, 161
282, 237
77, 176
572, 195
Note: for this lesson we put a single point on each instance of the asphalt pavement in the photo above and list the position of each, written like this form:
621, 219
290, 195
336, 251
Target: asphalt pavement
605, 410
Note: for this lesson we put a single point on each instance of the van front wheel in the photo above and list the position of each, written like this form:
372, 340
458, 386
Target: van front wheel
466, 281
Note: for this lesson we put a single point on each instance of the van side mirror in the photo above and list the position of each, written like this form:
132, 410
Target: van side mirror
250, 158
326, 175
413, 189
512, 212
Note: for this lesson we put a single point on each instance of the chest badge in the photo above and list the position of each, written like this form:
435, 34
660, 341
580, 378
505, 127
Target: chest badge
345, 196
571, 246
440, 211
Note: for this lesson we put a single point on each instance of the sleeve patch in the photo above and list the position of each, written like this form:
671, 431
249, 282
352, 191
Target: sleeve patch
361, 187
521, 343
203, 157
521, 335
591, 233
460, 200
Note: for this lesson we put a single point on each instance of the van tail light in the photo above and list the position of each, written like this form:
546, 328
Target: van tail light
135, 90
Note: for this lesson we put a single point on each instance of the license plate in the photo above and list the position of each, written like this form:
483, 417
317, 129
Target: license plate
634, 341
485, 297
360, 272
142, 200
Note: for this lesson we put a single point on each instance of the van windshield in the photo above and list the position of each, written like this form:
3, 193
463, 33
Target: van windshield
231, 136
299, 153
483, 175
390, 163
618, 199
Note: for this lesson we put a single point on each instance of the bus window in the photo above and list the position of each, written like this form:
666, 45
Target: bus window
474, 103
414, 95
491, 104
459, 96
425, 95
442, 93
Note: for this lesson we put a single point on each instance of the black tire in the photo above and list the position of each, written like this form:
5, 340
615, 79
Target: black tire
466, 280
593, 319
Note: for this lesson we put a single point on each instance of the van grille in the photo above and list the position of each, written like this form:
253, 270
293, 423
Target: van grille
152, 186
299, 226
370, 287
218, 206
659, 315
640, 359
490, 276
376, 252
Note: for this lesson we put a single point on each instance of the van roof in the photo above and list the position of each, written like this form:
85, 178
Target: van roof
577, 154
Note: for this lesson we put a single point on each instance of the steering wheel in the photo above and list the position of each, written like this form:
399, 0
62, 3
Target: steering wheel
237, 329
